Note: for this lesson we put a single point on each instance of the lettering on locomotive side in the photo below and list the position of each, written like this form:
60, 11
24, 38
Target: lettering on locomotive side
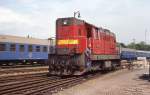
102, 57
65, 42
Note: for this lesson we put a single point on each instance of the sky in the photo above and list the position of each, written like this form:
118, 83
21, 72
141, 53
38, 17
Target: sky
128, 19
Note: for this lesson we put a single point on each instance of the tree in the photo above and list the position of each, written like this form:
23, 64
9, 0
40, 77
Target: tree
131, 45
121, 44
139, 46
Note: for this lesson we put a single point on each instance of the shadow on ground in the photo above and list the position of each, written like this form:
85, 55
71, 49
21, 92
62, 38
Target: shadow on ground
145, 77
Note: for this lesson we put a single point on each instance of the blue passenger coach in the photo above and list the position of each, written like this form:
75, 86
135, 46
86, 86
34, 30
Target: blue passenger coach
128, 54
132, 54
22, 50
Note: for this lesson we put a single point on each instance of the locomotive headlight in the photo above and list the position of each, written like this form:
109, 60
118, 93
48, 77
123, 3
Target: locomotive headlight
65, 22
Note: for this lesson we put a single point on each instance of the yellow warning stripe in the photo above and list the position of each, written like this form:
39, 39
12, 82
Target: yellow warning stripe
65, 42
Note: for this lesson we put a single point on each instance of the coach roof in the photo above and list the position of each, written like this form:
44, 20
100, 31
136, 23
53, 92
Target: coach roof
23, 40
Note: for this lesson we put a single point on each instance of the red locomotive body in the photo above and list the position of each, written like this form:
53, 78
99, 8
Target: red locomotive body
81, 47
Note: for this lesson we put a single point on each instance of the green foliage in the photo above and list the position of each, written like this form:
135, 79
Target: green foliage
122, 45
139, 46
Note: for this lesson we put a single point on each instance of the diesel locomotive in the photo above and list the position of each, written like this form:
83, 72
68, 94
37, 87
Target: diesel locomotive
82, 47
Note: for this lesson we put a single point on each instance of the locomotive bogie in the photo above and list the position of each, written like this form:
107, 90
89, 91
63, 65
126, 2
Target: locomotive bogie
66, 65
78, 64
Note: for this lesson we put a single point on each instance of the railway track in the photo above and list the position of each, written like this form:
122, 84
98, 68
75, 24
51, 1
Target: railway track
20, 77
21, 66
33, 85
22, 71
39, 84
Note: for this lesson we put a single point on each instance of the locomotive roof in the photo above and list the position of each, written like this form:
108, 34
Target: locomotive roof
23, 40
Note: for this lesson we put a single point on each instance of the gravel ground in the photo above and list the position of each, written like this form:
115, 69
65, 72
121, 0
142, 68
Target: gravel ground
122, 82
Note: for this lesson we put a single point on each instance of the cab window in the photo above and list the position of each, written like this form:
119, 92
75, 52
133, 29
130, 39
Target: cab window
65, 22
96, 34
79, 32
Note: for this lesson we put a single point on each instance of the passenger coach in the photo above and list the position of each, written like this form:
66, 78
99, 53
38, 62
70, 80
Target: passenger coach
133, 54
23, 50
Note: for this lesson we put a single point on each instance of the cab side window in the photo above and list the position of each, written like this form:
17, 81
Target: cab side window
89, 33
96, 34
79, 32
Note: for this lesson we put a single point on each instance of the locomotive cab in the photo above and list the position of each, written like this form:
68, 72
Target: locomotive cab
70, 36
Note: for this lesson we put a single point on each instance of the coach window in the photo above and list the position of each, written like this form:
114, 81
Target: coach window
44, 49
12, 47
37, 48
2, 47
30, 48
21, 48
